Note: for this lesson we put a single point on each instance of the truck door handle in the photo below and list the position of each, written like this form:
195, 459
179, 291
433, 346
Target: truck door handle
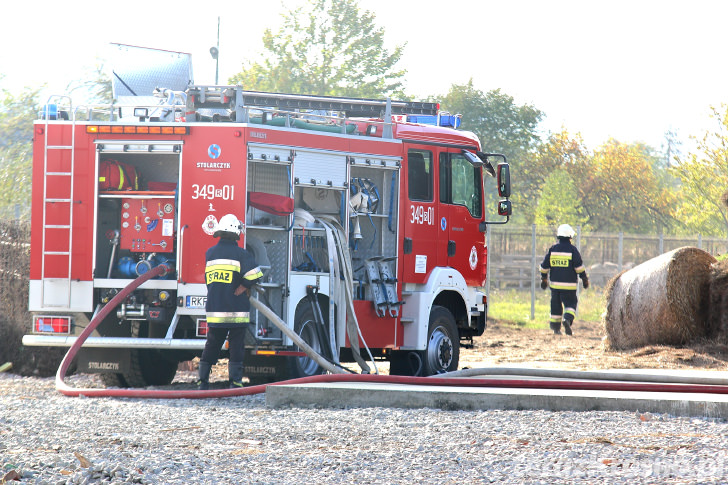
451, 248
181, 246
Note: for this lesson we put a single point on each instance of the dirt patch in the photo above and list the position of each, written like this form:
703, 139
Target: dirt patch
505, 344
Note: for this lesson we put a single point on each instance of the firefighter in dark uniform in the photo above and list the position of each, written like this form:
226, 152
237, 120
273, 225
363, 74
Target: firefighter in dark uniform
229, 272
564, 262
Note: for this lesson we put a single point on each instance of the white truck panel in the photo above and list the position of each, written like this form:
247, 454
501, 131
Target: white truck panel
55, 293
419, 300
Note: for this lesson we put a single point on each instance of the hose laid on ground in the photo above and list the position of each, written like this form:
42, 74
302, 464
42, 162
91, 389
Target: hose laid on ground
586, 375
679, 384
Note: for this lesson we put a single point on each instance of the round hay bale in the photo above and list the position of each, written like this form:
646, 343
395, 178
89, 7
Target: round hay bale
717, 324
661, 301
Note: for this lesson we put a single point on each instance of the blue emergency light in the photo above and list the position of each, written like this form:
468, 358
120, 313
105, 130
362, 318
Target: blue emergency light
441, 119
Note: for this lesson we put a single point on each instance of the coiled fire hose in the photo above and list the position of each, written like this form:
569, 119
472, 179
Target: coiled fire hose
575, 380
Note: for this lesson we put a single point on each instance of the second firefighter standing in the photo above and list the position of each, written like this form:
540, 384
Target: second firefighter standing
563, 262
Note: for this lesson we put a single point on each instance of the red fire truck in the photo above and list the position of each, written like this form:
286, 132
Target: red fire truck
367, 217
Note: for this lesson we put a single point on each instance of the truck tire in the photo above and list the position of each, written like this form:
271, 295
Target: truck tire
305, 327
149, 367
113, 380
443, 343
405, 363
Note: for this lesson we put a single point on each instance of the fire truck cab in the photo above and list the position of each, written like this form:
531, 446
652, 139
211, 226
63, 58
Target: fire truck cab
367, 218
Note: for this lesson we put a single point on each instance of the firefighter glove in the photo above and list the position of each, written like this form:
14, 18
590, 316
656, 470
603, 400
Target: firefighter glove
544, 284
584, 281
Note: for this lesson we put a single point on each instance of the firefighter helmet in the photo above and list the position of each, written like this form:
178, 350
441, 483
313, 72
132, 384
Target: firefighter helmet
229, 223
565, 230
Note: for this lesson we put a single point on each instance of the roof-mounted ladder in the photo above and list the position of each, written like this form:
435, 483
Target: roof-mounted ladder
238, 101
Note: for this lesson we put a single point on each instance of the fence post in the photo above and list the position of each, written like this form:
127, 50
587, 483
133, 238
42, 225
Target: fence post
621, 249
700, 241
662, 244
578, 246
533, 271
578, 238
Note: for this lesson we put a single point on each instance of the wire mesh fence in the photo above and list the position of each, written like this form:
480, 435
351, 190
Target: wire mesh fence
515, 253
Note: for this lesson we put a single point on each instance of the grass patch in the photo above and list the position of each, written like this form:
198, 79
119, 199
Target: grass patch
513, 307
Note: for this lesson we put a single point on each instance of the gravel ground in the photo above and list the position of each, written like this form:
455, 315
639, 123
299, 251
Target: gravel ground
46, 437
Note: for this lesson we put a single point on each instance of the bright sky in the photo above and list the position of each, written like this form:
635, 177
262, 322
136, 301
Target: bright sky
627, 69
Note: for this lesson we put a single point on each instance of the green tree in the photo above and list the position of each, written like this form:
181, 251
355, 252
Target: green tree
17, 113
671, 148
620, 190
703, 177
502, 125
92, 88
559, 203
327, 47
561, 151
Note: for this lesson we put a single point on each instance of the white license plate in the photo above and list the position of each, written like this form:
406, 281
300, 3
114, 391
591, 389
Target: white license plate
196, 301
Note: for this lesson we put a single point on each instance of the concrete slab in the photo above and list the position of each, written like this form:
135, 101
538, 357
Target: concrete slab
340, 395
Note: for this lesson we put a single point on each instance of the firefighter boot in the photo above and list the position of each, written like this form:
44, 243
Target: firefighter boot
235, 372
568, 320
556, 327
203, 376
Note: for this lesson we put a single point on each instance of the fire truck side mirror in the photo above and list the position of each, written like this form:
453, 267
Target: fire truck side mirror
504, 208
474, 160
504, 180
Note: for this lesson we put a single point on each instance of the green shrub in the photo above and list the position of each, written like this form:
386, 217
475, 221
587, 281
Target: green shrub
14, 316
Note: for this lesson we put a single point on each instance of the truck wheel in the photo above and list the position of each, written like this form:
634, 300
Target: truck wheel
305, 327
150, 368
113, 380
158, 370
405, 363
443, 343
